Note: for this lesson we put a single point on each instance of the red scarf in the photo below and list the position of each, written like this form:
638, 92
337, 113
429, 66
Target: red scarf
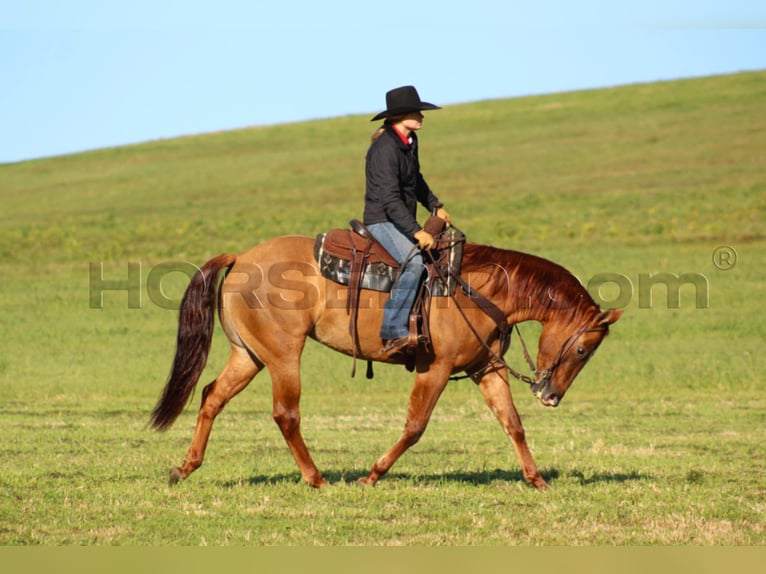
407, 141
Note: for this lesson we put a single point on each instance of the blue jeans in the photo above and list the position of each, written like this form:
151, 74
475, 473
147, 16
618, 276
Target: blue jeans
396, 311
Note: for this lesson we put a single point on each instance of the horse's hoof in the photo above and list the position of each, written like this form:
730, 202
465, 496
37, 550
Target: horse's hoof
175, 476
366, 481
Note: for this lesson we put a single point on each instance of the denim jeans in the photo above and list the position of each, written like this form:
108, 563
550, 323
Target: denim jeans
396, 311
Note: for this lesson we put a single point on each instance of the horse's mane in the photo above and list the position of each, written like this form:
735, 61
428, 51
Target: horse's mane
534, 279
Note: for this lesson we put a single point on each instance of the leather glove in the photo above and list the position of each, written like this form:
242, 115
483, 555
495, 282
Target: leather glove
425, 240
441, 213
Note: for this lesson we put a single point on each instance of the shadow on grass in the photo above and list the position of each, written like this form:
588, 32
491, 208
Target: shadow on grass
477, 478
352, 476
599, 477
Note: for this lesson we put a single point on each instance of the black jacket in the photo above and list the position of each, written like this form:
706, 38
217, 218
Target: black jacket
394, 183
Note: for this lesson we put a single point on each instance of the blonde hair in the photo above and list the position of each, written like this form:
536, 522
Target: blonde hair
388, 122
377, 133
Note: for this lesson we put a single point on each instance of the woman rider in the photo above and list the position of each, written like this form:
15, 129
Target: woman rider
394, 187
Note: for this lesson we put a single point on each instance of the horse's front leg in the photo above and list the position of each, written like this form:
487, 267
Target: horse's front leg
497, 393
425, 393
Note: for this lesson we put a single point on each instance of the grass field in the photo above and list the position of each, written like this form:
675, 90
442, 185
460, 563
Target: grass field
659, 442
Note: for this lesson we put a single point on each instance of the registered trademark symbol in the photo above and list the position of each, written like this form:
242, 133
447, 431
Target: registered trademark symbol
725, 258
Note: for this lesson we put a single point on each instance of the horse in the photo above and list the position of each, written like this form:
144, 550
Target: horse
273, 297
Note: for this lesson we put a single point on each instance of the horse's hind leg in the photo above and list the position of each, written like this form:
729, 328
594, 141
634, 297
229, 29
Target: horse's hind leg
236, 375
497, 393
286, 389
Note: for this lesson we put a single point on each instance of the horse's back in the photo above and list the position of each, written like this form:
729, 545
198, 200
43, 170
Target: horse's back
279, 249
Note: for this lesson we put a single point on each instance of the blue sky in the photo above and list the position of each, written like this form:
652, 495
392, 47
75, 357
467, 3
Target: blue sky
80, 75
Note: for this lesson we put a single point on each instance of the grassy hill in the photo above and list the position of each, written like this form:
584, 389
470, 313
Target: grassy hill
667, 162
659, 440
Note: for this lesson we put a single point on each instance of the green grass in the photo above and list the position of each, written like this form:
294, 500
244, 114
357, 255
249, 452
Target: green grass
659, 441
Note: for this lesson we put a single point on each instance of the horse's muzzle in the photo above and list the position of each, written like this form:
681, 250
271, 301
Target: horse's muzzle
550, 400
542, 390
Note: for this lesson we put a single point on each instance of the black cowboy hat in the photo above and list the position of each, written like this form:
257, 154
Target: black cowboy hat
403, 100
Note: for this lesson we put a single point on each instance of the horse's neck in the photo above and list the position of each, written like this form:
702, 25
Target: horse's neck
548, 305
529, 288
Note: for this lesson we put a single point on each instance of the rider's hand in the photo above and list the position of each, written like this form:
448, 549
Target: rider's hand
425, 240
441, 213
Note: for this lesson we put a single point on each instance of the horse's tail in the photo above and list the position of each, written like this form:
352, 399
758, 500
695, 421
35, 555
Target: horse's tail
195, 333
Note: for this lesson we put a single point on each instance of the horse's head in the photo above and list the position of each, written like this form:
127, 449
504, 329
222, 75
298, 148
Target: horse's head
565, 350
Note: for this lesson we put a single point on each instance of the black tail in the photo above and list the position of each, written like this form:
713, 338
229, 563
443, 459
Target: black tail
195, 333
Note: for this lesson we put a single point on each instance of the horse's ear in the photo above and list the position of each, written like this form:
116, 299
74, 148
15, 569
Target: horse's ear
608, 317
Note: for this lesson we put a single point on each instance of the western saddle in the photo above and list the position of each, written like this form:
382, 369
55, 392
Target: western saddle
353, 257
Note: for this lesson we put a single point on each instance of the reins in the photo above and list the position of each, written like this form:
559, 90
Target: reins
496, 314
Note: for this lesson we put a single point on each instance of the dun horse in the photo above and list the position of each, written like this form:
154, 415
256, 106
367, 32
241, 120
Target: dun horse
273, 297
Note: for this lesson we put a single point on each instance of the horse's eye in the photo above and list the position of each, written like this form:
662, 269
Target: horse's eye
580, 351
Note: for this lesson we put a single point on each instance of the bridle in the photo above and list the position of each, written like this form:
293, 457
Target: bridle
544, 376
539, 378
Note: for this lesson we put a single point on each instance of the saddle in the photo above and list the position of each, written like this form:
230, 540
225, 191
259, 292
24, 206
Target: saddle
353, 257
